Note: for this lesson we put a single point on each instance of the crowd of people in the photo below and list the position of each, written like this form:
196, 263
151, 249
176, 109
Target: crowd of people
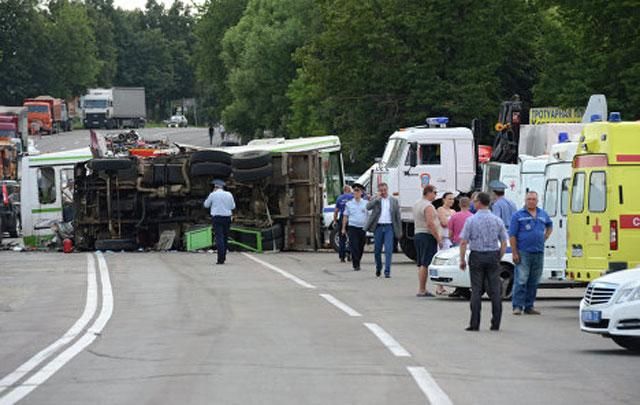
483, 225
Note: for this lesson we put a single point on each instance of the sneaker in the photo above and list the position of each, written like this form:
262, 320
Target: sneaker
517, 311
532, 311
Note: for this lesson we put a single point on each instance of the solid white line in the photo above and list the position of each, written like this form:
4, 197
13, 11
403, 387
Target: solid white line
286, 274
387, 340
69, 335
429, 386
63, 358
341, 305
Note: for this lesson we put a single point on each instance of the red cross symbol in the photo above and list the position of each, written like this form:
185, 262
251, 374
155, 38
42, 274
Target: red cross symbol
597, 228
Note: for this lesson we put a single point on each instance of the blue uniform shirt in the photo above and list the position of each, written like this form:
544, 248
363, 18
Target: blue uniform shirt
341, 203
484, 231
357, 212
504, 209
220, 203
529, 231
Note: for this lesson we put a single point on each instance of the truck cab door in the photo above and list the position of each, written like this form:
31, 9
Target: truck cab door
47, 205
435, 164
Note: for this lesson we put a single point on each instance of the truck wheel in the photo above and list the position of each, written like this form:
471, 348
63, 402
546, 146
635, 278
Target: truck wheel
409, 248
116, 244
211, 169
252, 159
506, 281
110, 164
628, 342
216, 156
252, 175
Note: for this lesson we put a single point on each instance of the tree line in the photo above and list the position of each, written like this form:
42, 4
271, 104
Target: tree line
356, 68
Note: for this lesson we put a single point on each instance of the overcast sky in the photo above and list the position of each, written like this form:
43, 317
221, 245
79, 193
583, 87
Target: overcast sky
133, 4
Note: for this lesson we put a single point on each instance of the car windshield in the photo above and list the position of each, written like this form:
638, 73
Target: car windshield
176, 118
38, 108
393, 152
99, 103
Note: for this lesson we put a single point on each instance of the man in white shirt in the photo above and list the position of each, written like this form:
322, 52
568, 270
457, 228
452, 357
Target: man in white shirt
384, 221
221, 205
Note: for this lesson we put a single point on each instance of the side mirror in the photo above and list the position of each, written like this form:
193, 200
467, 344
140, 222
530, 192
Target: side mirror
413, 154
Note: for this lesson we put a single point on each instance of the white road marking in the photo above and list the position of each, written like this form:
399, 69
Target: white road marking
429, 386
69, 335
286, 274
387, 340
63, 358
341, 305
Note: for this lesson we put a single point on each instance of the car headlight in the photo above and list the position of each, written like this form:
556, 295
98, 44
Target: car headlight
629, 294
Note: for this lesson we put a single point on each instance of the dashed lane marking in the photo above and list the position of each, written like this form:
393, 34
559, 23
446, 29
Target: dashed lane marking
429, 386
387, 340
286, 274
341, 305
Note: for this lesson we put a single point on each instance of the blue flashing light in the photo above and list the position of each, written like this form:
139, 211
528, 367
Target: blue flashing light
615, 117
596, 118
563, 137
433, 121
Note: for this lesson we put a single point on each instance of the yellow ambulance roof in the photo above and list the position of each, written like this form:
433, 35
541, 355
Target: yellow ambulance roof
620, 141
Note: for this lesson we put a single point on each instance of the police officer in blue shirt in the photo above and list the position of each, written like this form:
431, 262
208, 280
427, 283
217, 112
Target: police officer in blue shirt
354, 218
341, 203
221, 205
530, 228
502, 206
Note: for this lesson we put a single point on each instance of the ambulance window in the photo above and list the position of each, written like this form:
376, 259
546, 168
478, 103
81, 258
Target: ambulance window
597, 192
46, 185
429, 154
551, 198
577, 193
564, 198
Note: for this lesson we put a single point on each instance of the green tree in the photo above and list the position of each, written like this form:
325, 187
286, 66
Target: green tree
101, 14
211, 74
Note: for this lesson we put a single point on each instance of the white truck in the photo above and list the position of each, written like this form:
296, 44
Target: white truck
117, 107
417, 156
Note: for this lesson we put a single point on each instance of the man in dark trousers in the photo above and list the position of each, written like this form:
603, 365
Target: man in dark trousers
210, 134
353, 220
221, 205
341, 203
486, 236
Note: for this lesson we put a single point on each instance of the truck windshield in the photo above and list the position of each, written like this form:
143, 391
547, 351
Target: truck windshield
38, 108
95, 103
393, 152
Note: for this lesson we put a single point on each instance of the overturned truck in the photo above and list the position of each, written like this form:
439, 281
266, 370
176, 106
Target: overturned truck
281, 189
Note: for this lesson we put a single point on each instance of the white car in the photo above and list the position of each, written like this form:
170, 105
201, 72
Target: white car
445, 270
611, 308
177, 121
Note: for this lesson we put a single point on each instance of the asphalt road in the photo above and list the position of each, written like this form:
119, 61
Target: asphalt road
80, 138
289, 328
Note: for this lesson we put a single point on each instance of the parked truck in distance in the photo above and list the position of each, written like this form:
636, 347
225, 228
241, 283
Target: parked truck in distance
47, 115
117, 107
14, 126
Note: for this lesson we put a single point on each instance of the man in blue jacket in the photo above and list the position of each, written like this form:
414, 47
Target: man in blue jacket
530, 228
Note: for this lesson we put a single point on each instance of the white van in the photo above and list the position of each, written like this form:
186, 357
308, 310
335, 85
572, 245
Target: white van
417, 156
46, 193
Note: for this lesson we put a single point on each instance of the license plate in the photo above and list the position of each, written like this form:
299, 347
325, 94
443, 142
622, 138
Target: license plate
433, 273
591, 316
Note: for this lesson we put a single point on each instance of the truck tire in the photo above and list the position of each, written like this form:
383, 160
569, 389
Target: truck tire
252, 175
216, 156
252, 159
334, 239
506, 280
408, 248
210, 169
116, 244
628, 342
110, 164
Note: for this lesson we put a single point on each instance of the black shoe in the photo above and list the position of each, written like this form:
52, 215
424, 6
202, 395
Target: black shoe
495, 328
377, 273
219, 262
387, 276
357, 268
342, 260
470, 329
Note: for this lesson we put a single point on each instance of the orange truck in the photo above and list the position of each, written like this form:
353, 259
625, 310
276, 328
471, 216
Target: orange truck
47, 115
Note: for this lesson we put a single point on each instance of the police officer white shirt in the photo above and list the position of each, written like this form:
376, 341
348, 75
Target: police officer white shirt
220, 203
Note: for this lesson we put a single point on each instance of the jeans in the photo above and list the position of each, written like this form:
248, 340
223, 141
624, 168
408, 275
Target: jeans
221, 226
383, 235
526, 279
484, 270
357, 239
